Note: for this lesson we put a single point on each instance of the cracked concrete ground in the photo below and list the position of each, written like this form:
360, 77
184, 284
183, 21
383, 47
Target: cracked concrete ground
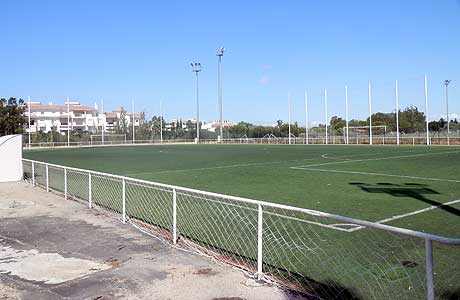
51, 249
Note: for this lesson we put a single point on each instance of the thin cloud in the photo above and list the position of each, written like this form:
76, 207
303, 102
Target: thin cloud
264, 80
266, 67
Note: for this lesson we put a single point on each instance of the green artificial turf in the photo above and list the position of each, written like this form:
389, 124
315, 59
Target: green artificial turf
264, 172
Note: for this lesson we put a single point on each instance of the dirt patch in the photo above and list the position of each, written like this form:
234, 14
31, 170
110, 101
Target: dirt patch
205, 272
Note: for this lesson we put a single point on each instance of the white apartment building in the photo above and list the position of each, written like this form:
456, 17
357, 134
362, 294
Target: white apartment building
76, 117
111, 119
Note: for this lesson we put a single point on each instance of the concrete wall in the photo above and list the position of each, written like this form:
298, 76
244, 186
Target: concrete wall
10, 158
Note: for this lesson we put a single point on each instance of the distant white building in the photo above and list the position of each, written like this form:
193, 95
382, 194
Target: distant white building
76, 117
111, 119
45, 117
204, 125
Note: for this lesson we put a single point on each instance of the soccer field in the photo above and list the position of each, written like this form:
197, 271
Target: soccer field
410, 187
397, 185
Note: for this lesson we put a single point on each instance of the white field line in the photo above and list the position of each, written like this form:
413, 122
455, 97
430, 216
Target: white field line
397, 217
377, 158
376, 174
260, 163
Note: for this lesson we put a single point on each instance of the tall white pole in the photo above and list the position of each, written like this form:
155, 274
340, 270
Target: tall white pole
306, 119
397, 111
103, 121
289, 117
134, 137
325, 113
28, 100
197, 110
161, 121
446, 83
346, 115
426, 112
68, 122
219, 82
370, 114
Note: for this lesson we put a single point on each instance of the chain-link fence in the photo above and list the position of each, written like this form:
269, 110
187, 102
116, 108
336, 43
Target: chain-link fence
306, 252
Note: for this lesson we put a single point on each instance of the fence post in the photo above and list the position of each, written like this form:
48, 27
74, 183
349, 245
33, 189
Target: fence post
174, 217
124, 200
90, 194
47, 179
429, 269
65, 183
259, 243
33, 174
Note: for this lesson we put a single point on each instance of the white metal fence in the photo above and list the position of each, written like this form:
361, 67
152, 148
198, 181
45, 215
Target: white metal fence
318, 254
331, 140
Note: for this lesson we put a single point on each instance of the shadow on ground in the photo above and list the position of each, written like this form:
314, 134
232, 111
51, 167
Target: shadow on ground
410, 190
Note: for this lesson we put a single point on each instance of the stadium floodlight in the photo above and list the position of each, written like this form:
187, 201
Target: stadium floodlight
219, 54
397, 111
446, 83
196, 67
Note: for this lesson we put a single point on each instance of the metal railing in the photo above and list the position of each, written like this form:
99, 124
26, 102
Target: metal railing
308, 251
331, 140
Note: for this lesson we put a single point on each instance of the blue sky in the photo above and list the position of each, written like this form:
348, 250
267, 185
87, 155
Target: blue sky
119, 50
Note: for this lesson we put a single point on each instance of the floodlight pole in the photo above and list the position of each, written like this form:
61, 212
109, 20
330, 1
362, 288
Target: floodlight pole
426, 112
370, 114
289, 117
28, 100
196, 67
306, 118
220, 53
397, 112
325, 113
68, 122
134, 138
346, 114
446, 83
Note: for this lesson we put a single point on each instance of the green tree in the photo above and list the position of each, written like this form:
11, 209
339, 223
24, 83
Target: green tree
12, 118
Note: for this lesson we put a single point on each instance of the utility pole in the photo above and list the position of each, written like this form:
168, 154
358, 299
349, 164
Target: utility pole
370, 114
196, 67
220, 53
